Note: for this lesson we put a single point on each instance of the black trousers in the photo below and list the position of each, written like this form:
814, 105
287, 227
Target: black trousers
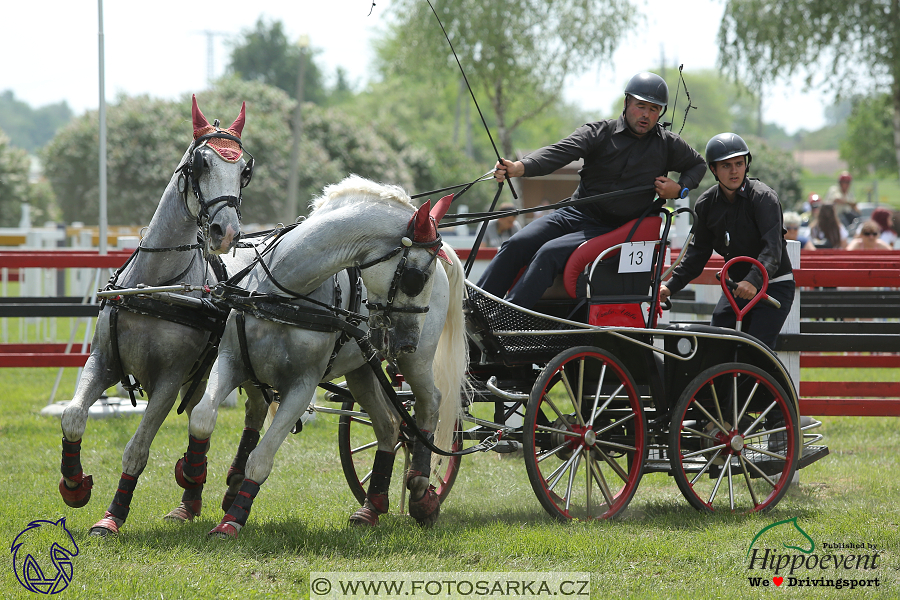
763, 321
544, 246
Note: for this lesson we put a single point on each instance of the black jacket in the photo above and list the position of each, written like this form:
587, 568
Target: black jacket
751, 225
616, 159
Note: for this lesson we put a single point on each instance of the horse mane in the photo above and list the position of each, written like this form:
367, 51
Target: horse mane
354, 185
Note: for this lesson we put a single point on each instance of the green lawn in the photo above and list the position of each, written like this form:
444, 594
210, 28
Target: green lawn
660, 548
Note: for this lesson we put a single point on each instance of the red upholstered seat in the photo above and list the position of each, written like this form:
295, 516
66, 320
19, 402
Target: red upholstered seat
648, 230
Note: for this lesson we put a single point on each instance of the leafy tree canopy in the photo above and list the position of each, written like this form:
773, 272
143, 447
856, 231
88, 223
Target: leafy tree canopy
31, 128
516, 53
869, 144
266, 54
16, 189
855, 45
147, 137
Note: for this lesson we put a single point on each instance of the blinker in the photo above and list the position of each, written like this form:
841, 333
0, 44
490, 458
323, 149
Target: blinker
412, 282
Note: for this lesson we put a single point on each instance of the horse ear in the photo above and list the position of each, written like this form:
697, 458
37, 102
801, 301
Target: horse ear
200, 121
238, 125
424, 230
441, 207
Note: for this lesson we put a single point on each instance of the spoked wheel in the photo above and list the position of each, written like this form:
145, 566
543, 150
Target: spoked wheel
733, 440
357, 445
585, 436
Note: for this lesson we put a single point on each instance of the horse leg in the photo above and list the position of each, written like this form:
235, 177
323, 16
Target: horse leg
254, 415
386, 423
97, 376
262, 458
424, 504
137, 452
190, 469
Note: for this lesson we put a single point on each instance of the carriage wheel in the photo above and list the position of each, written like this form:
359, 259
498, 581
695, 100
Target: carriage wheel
733, 440
585, 436
357, 446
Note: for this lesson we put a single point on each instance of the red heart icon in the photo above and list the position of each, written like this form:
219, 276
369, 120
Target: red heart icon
778, 580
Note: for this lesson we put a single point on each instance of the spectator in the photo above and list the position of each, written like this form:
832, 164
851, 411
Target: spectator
842, 198
500, 230
810, 209
885, 220
867, 238
792, 231
827, 231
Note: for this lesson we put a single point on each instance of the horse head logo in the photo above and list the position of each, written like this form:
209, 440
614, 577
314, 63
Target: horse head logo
42, 556
786, 531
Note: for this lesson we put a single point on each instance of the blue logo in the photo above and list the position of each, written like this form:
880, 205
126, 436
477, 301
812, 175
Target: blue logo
35, 570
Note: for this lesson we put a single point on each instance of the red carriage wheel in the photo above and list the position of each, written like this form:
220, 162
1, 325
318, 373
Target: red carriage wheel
733, 441
585, 436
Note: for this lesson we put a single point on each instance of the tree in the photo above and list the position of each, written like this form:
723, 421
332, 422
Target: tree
868, 143
516, 53
31, 128
14, 186
146, 138
265, 54
858, 43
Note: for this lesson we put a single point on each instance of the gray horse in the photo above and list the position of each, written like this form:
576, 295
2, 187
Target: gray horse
135, 339
415, 320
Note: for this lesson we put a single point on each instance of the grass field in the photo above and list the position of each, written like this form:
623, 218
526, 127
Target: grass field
660, 548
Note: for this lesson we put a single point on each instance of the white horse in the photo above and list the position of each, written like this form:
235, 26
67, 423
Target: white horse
416, 321
160, 351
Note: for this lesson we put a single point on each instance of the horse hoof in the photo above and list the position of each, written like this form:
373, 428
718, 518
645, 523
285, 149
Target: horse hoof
426, 509
79, 496
226, 530
184, 512
105, 527
181, 478
364, 517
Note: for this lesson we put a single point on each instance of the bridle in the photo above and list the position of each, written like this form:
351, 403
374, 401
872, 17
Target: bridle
192, 170
407, 279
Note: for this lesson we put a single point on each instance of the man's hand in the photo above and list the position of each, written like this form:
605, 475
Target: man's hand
745, 290
664, 294
507, 167
667, 188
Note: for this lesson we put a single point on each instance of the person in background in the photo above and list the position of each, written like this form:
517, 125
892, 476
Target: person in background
810, 209
827, 231
885, 220
739, 217
868, 238
842, 198
633, 152
500, 230
792, 231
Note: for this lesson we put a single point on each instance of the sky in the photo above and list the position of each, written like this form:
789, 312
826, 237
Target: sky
161, 48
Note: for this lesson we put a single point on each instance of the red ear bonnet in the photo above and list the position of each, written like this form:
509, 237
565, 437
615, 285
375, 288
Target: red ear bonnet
441, 207
424, 229
200, 122
238, 126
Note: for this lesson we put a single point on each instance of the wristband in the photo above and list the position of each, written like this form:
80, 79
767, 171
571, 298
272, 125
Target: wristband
684, 193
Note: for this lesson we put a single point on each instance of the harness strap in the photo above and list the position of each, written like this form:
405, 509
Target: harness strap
117, 359
245, 356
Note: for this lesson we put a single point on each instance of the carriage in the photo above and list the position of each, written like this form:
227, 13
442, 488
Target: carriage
595, 394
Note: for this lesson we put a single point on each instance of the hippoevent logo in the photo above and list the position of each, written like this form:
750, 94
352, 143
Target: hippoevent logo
42, 556
784, 555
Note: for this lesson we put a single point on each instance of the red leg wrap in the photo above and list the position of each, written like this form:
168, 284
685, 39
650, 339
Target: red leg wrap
105, 526
426, 509
227, 528
183, 482
78, 496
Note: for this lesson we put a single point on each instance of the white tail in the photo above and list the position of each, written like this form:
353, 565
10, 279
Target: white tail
451, 360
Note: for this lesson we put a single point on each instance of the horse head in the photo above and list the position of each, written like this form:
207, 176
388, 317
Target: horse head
213, 177
400, 283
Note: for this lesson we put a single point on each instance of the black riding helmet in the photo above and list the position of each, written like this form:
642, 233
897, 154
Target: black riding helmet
725, 146
649, 87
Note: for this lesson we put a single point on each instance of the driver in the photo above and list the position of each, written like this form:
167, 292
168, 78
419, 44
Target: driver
631, 151
739, 217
